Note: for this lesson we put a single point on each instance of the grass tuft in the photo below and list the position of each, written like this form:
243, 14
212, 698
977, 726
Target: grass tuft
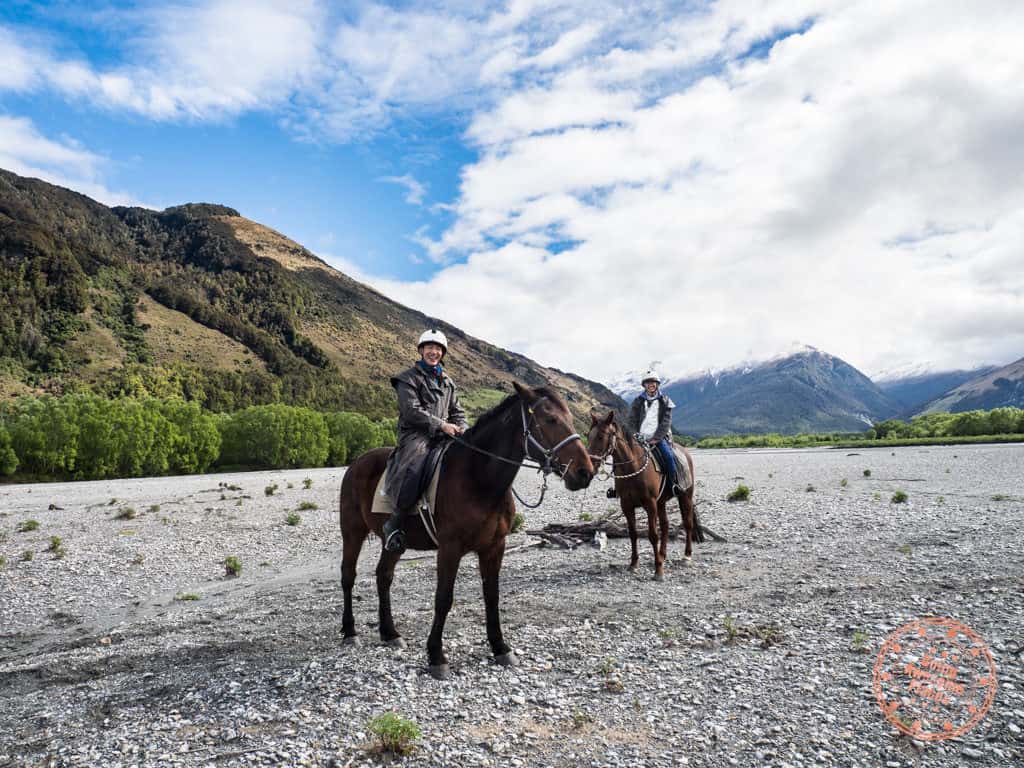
867, 473
307, 505
394, 733
741, 493
518, 522
126, 513
899, 498
232, 565
270, 490
27, 525
293, 519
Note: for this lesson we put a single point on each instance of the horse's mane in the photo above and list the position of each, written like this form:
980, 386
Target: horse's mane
500, 412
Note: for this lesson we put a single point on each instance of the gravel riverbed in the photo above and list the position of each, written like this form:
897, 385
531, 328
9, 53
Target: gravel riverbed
134, 648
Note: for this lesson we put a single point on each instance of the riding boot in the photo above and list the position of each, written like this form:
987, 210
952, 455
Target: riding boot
394, 537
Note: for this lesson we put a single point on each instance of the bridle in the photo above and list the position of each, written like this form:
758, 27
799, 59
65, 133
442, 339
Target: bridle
600, 460
547, 467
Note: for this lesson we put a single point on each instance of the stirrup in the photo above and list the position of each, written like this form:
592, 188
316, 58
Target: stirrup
394, 541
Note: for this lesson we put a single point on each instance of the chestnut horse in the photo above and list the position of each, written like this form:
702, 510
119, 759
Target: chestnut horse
473, 511
638, 483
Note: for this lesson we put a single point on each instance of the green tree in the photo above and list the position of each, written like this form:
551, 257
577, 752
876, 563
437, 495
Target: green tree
351, 434
274, 437
8, 458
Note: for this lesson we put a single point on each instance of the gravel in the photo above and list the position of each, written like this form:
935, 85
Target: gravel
136, 649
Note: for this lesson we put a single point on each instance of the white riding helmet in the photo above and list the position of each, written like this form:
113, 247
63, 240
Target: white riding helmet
651, 375
433, 336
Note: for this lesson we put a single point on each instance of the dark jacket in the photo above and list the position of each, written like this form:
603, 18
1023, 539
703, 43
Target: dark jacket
638, 410
425, 402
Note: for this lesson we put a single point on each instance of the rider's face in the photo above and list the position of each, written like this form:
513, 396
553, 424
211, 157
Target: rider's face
651, 387
431, 353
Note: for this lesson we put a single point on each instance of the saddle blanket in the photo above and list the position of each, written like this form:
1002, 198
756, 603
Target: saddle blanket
683, 477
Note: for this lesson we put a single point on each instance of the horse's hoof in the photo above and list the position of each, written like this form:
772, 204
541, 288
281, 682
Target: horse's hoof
659, 577
395, 642
439, 671
506, 660
351, 640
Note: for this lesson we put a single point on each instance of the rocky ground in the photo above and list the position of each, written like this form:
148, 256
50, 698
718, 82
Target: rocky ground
130, 646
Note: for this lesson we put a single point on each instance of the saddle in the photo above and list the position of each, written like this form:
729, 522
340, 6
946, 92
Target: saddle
683, 477
422, 493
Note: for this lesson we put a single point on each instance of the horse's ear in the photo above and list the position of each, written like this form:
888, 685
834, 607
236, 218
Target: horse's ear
525, 393
593, 419
610, 418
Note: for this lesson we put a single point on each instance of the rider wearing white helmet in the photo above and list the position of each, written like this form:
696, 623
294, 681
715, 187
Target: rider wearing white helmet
650, 416
428, 410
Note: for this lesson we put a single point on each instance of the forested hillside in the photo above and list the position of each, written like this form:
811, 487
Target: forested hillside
199, 302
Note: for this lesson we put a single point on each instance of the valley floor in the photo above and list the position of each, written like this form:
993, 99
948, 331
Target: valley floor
759, 653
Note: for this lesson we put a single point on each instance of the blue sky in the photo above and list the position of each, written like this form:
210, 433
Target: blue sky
593, 184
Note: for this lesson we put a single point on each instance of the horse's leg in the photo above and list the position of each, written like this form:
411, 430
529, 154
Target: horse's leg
689, 519
663, 528
448, 558
490, 568
352, 545
651, 507
630, 514
386, 575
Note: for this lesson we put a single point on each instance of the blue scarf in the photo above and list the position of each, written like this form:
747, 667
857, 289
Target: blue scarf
655, 396
436, 370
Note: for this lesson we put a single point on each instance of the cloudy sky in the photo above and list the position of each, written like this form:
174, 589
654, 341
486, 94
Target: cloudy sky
595, 185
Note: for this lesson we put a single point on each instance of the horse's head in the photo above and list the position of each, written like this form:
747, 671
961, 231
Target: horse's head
604, 432
549, 423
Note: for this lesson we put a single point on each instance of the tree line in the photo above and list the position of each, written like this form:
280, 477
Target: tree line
965, 426
83, 436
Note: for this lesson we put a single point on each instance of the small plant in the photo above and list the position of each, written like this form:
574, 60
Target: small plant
809, 489
27, 525
307, 483
667, 633
518, 522
741, 493
270, 490
126, 513
899, 498
586, 517
941, 499
293, 519
154, 508
138, 560
238, 503
843, 483
999, 497
607, 665
731, 630
867, 473
3, 561
232, 565
112, 502
876, 496
581, 718
905, 549
394, 733
290, 485
307, 505
57, 548
185, 597
859, 642
27, 555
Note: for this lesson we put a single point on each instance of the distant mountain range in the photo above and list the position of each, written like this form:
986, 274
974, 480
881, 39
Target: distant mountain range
200, 302
812, 391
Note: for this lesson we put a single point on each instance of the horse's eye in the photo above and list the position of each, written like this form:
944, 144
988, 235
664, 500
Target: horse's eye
551, 421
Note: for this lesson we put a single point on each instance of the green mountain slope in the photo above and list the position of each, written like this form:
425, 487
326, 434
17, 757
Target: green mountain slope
198, 301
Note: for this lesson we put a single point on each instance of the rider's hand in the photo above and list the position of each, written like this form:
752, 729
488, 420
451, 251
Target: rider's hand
451, 429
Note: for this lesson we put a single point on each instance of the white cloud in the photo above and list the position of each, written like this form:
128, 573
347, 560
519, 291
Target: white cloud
415, 191
26, 152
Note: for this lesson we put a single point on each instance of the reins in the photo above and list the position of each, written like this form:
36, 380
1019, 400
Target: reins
547, 468
610, 454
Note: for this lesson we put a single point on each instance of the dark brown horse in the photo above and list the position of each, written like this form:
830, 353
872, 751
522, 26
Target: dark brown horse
639, 484
473, 512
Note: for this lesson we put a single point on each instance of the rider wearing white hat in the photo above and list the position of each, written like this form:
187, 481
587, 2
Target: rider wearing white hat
650, 416
428, 410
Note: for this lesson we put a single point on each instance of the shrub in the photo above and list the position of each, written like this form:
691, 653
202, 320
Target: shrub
867, 473
809, 489
293, 519
27, 525
307, 505
274, 437
899, 497
394, 734
55, 543
351, 434
126, 513
185, 597
270, 490
843, 483
518, 522
859, 642
27, 555
8, 458
740, 493
232, 565
307, 483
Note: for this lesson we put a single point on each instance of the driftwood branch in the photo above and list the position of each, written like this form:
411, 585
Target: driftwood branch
571, 535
